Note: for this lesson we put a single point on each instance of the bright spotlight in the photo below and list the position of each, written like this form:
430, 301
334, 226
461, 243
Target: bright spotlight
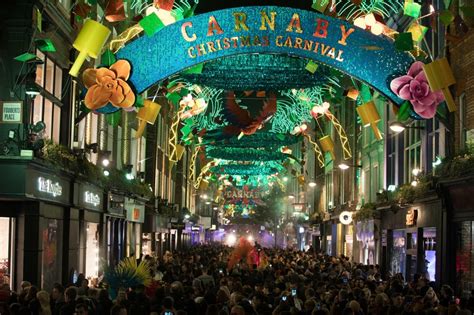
250, 238
397, 127
231, 239
105, 162
343, 166
312, 184
285, 179
187, 216
416, 171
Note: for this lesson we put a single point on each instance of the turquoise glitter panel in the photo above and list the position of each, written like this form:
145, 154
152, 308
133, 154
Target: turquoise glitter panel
259, 72
367, 57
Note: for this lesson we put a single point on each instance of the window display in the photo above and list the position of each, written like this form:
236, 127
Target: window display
52, 253
92, 250
6, 252
398, 257
464, 256
429, 240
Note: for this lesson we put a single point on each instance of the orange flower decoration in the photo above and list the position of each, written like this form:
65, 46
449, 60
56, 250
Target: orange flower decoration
108, 85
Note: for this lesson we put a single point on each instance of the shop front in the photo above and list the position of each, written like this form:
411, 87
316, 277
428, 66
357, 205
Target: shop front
135, 213
316, 237
89, 199
115, 228
366, 241
148, 233
459, 258
409, 238
34, 206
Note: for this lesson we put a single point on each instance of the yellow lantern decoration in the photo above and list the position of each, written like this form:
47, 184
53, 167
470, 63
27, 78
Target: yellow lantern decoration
440, 77
370, 117
147, 114
179, 151
89, 43
328, 146
203, 185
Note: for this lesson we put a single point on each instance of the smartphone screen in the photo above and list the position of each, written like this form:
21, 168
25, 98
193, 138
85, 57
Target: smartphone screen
283, 298
293, 292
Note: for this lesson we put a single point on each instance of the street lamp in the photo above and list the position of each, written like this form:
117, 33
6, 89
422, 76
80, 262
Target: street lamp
398, 127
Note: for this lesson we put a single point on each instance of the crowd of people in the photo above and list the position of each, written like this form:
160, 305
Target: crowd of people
199, 280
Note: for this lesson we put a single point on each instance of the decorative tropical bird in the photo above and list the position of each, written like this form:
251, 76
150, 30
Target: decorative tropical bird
241, 123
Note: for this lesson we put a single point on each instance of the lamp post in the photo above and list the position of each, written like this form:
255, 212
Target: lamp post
398, 127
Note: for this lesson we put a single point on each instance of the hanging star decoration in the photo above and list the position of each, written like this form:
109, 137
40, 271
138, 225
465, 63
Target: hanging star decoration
241, 123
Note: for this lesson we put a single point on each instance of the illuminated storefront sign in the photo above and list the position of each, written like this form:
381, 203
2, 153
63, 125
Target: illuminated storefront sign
49, 187
91, 198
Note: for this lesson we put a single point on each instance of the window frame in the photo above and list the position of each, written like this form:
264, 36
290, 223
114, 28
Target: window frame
56, 103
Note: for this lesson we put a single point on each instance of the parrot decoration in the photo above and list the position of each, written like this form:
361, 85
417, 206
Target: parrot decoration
241, 123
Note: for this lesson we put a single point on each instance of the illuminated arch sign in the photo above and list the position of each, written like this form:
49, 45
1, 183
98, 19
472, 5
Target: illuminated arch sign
270, 30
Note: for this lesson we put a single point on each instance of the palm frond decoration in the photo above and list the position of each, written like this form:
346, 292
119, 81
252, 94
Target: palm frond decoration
128, 273
385, 8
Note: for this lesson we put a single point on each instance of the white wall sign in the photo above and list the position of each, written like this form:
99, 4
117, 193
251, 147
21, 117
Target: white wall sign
345, 217
47, 186
11, 112
91, 198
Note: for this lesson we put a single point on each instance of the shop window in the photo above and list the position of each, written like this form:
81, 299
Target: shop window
52, 253
110, 234
429, 247
329, 190
147, 247
464, 256
92, 250
398, 253
7, 250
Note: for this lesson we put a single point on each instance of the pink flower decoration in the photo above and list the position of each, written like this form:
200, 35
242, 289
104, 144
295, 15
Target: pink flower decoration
414, 87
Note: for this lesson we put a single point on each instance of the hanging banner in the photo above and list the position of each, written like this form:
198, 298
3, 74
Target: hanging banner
243, 195
265, 30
